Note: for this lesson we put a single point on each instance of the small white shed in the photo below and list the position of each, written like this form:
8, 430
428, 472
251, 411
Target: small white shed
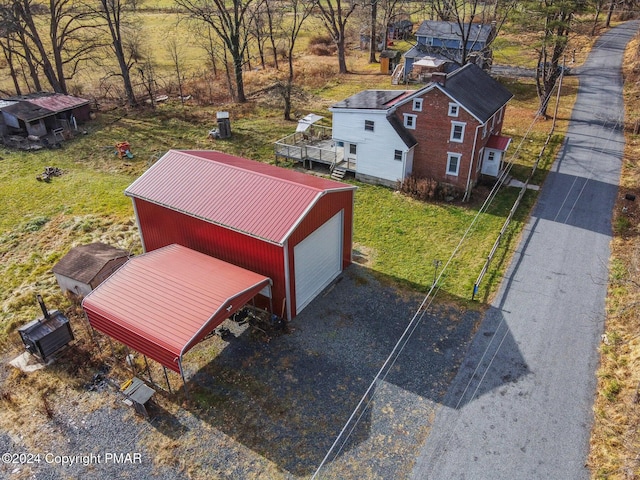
86, 266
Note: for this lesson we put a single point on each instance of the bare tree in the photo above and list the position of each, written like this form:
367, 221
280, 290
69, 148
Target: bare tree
372, 31
114, 15
175, 52
473, 19
24, 11
216, 52
298, 12
72, 30
58, 55
228, 20
335, 15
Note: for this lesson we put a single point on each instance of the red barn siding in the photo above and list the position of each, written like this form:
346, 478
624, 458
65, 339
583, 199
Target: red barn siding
325, 209
160, 227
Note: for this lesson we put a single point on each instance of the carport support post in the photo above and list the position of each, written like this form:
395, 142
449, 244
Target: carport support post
90, 331
166, 377
184, 382
148, 369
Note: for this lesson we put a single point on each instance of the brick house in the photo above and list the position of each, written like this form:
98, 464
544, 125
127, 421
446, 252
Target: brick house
449, 130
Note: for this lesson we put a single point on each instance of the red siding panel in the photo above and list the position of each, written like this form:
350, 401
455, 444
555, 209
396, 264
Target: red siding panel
160, 227
326, 208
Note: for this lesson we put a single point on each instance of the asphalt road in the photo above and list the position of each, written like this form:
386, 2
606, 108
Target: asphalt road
521, 404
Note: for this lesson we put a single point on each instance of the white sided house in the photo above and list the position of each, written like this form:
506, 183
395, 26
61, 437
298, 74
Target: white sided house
372, 137
449, 130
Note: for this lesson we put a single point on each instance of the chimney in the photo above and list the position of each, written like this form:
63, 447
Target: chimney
439, 77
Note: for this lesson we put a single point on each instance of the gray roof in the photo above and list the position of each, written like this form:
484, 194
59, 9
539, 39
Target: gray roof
477, 91
404, 134
371, 99
451, 30
84, 262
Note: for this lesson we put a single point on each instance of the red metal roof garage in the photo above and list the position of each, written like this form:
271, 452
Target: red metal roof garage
289, 226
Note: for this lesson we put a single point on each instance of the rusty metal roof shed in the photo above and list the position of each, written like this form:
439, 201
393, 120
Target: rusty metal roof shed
250, 197
40, 105
164, 302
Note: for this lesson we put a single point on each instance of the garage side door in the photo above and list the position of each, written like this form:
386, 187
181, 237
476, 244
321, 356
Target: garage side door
318, 260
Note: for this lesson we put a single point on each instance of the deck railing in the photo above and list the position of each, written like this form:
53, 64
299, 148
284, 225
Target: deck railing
302, 146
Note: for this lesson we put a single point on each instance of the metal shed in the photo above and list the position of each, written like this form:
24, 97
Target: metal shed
84, 267
164, 302
292, 227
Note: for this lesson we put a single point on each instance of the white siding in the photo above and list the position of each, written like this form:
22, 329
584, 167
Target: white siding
375, 149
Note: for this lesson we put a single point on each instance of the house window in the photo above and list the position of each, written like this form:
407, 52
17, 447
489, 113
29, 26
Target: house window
457, 132
453, 163
397, 155
417, 105
484, 130
353, 148
453, 109
410, 121
499, 114
493, 122
368, 125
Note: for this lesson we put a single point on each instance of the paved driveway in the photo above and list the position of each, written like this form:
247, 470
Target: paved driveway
521, 404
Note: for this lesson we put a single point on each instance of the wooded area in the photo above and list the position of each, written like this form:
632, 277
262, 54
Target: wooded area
99, 48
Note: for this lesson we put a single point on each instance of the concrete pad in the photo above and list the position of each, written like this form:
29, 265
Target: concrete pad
517, 183
28, 363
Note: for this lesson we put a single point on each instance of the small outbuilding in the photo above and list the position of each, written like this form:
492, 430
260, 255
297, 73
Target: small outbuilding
389, 60
289, 226
84, 267
41, 114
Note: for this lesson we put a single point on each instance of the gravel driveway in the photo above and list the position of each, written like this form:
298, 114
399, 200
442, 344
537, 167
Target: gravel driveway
271, 409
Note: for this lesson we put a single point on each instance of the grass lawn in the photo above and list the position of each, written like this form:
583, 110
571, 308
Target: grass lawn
41, 221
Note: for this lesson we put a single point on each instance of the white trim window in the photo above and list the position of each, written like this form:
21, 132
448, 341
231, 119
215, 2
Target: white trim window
500, 114
369, 125
410, 121
457, 132
397, 155
453, 163
454, 109
417, 104
484, 130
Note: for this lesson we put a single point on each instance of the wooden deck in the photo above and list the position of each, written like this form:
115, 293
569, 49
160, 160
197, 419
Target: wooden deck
313, 146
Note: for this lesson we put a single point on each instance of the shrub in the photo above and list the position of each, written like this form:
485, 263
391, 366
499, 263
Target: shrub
423, 188
322, 45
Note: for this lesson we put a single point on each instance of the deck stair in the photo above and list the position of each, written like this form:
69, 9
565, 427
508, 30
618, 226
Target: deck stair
338, 173
397, 74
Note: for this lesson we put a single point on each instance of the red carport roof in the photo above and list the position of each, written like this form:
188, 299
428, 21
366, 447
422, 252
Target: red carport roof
254, 198
164, 302
498, 142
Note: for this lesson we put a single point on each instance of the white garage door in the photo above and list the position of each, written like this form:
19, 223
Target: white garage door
318, 260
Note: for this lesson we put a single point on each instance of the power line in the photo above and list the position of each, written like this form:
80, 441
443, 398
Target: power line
368, 397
